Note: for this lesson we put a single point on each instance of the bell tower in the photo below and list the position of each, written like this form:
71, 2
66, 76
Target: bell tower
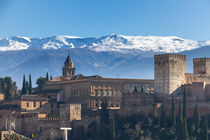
68, 69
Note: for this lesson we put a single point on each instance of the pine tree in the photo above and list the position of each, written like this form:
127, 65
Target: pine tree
47, 76
179, 129
24, 86
184, 105
51, 77
206, 129
30, 85
196, 116
173, 115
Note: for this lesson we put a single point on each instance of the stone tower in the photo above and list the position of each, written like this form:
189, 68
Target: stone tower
68, 68
201, 66
169, 73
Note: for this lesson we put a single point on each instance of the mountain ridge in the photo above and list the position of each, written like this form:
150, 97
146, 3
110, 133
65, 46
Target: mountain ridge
112, 42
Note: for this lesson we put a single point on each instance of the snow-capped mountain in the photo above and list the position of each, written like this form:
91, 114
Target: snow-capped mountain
113, 42
108, 56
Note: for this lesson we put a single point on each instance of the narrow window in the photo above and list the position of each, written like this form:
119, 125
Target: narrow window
34, 103
27, 104
40, 103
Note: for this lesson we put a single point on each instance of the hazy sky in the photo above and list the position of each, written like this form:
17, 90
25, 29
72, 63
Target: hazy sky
93, 18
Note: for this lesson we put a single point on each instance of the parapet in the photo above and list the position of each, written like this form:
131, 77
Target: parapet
171, 55
204, 59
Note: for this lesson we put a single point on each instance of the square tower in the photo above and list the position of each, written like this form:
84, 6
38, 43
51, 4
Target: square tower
169, 73
201, 66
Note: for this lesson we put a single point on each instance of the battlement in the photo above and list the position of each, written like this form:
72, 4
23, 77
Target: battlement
171, 55
204, 59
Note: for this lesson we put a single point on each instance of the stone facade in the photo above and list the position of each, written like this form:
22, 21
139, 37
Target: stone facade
170, 70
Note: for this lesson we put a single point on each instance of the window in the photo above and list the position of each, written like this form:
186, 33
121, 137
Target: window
52, 105
106, 93
34, 103
40, 103
27, 104
110, 92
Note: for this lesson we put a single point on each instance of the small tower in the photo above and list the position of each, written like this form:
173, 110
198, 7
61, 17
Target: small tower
68, 68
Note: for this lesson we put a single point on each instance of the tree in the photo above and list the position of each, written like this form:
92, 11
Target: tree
2, 85
184, 105
185, 131
135, 90
30, 85
23, 91
196, 116
142, 89
51, 77
173, 115
8, 89
163, 114
179, 128
27, 86
206, 129
40, 82
104, 113
47, 77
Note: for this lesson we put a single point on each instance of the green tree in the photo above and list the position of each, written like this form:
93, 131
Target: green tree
8, 89
179, 129
27, 86
206, 129
23, 91
185, 131
104, 113
163, 115
173, 115
184, 105
135, 90
30, 85
47, 77
142, 89
40, 82
2, 85
51, 77
196, 116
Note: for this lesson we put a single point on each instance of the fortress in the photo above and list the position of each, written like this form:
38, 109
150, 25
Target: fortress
74, 100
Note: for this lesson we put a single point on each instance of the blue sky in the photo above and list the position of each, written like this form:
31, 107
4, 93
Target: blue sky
94, 18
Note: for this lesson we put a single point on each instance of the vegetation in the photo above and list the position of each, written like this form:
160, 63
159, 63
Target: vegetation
6, 87
140, 127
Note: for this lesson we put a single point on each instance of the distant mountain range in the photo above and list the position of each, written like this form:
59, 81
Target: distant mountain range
109, 56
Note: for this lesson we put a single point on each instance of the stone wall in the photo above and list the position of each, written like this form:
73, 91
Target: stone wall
170, 72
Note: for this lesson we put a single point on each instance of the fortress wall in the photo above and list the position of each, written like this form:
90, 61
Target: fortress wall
170, 72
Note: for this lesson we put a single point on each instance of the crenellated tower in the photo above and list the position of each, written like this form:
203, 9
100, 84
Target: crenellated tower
201, 66
170, 70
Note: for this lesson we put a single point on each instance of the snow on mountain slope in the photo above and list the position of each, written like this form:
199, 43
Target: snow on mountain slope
113, 42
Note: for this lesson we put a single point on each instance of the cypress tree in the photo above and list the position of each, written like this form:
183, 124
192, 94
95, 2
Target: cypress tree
27, 86
47, 76
51, 77
104, 113
180, 123
184, 105
196, 116
163, 114
206, 129
135, 90
173, 115
185, 131
142, 89
24, 86
30, 85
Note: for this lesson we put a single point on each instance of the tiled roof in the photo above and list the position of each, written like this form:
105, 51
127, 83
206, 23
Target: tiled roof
33, 98
47, 91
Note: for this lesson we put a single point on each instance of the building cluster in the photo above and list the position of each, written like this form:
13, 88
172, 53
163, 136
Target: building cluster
74, 100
